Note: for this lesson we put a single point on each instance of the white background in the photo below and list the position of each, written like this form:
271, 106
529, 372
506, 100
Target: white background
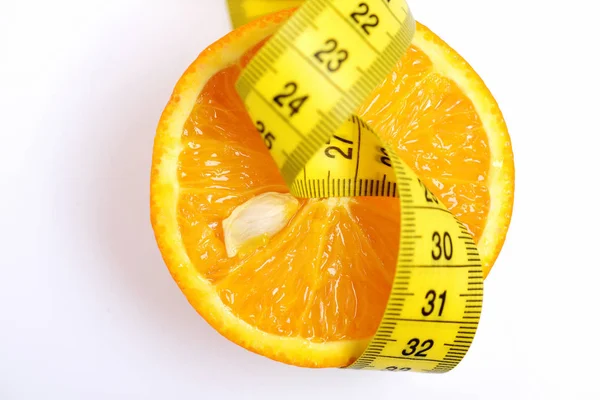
89, 311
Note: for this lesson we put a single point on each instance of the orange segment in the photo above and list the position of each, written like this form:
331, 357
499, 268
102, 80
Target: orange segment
318, 296
334, 294
313, 293
436, 130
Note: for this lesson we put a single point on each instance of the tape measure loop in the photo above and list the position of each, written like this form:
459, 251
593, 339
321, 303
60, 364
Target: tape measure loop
304, 85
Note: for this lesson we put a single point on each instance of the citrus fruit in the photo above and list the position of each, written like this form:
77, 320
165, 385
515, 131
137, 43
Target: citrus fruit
306, 281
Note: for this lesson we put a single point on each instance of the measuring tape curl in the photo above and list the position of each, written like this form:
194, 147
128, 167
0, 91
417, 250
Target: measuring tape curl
301, 89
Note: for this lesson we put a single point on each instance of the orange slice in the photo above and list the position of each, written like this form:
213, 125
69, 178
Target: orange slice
306, 281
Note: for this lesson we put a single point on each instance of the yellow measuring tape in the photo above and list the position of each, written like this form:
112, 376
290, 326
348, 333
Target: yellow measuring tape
301, 89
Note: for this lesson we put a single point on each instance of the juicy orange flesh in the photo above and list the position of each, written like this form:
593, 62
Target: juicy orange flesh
327, 275
435, 128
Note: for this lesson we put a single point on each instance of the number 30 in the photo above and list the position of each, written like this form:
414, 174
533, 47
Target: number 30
441, 246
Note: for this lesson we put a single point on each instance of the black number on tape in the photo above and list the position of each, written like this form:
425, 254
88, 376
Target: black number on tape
385, 159
412, 347
333, 63
268, 137
426, 345
329, 150
430, 297
294, 104
441, 246
428, 195
393, 368
371, 21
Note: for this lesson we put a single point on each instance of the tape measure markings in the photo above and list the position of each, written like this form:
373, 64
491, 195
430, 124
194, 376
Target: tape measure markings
436, 297
300, 22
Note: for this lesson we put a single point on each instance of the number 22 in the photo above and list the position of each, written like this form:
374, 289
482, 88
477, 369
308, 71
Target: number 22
363, 10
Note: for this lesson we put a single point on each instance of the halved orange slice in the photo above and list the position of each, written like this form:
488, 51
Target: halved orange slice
306, 281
